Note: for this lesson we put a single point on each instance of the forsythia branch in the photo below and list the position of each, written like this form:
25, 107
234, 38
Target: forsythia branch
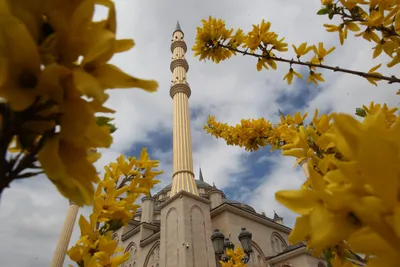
391, 79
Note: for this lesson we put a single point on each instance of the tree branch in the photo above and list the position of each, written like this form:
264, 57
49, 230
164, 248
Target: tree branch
391, 79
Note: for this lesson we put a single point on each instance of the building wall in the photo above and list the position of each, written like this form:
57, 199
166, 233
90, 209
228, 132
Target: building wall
303, 260
230, 225
147, 256
185, 233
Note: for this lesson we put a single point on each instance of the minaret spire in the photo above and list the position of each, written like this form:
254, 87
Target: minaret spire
201, 176
178, 26
183, 177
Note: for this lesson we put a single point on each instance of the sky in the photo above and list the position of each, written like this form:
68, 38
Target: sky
32, 212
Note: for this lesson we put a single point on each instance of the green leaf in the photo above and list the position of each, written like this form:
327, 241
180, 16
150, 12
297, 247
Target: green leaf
331, 14
105, 121
361, 112
323, 11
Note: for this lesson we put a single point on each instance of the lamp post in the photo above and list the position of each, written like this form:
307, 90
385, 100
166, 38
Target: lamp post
221, 244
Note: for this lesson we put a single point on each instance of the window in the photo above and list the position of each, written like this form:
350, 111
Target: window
278, 244
131, 248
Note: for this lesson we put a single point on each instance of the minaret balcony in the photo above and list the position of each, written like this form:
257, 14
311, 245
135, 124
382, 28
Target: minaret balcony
180, 87
179, 63
178, 43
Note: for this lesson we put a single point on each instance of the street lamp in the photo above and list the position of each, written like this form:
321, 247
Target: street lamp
221, 244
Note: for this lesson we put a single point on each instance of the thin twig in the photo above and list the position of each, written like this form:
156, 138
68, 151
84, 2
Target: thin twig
391, 79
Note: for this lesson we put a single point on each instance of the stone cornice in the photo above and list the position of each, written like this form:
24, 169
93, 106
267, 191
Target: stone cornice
137, 229
147, 198
149, 239
250, 215
149, 226
186, 194
178, 43
179, 63
130, 233
180, 87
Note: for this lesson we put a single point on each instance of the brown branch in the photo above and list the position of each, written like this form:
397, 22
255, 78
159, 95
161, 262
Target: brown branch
391, 79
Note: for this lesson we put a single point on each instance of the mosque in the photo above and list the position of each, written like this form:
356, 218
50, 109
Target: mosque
190, 223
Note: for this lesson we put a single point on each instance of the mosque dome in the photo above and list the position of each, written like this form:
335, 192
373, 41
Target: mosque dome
199, 183
240, 205
204, 189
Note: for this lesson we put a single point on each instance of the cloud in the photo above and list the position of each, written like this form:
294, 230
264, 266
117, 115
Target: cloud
282, 176
32, 211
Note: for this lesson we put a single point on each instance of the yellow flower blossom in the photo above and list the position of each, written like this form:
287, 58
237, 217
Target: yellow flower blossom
335, 203
350, 4
54, 67
208, 38
375, 19
369, 35
326, 2
321, 52
114, 206
302, 50
289, 76
315, 77
395, 60
372, 71
235, 258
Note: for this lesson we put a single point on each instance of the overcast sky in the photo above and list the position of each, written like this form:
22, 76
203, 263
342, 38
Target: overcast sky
32, 212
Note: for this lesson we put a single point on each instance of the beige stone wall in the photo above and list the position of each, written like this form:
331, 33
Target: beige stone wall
231, 224
185, 233
141, 255
303, 260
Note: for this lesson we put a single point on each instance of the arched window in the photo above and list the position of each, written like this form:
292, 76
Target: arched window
131, 253
132, 249
152, 259
278, 244
257, 257
119, 244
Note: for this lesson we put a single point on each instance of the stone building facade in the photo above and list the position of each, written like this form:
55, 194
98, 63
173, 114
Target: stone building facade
173, 228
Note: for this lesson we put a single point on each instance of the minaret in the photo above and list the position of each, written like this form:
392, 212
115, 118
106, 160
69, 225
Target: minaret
183, 177
65, 236
185, 232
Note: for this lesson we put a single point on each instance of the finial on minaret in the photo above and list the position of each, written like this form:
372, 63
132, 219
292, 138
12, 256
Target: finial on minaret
201, 176
177, 28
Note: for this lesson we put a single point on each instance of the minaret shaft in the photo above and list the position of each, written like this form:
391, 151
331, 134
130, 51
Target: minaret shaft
183, 177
